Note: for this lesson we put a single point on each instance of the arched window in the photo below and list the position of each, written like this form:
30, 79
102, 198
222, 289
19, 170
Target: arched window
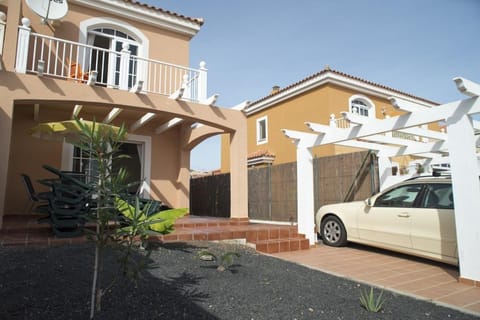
110, 36
362, 105
114, 40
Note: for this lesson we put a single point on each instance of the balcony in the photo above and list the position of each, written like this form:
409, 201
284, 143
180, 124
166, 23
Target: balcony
86, 64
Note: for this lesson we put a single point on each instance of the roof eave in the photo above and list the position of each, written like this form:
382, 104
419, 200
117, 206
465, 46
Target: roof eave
145, 14
334, 78
260, 160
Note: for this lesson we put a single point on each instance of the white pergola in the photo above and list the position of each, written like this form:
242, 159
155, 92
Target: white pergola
459, 142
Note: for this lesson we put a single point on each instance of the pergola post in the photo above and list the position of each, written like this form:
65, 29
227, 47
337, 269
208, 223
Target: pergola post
466, 192
384, 169
238, 173
305, 194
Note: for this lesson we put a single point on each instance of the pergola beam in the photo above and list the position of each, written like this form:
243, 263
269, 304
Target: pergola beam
404, 105
358, 119
467, 87
408, 120
168, 125
76, 110
112, 115
142, 121
304, 138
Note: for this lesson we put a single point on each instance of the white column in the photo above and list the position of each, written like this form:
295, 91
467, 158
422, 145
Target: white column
2, 30
466, 188
384, 170
202, 82
124, 64
22, 46
239, 173
305, 197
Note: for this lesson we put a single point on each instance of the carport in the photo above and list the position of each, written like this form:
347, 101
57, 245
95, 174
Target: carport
459, 142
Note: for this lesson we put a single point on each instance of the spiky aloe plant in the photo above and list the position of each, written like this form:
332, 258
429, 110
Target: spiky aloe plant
370, 302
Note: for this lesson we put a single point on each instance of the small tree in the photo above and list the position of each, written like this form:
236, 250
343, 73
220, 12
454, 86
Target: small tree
102, 143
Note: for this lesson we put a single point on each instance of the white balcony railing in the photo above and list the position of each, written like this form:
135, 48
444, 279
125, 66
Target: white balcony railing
54, 57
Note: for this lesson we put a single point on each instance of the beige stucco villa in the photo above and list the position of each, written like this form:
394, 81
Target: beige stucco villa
117, 62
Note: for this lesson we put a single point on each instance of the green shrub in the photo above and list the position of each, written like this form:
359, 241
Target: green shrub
161, 221
225, 261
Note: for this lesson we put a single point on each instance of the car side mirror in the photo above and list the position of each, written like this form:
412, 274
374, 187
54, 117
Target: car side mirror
368, 202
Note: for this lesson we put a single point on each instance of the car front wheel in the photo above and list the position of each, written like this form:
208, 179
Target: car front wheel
333, 232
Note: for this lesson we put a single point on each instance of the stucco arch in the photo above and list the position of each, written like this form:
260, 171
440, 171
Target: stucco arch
96, 22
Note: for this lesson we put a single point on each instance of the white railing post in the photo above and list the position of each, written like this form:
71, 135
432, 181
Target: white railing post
202, 82
333, 122
124, 64
22, 46
3, 17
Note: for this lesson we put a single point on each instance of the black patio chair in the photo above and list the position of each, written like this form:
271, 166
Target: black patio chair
37, 202
68, 209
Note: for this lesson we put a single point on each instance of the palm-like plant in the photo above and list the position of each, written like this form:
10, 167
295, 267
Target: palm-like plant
102, 143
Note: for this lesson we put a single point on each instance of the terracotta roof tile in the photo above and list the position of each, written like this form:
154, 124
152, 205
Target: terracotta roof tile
326, 70
198, 21
260, 153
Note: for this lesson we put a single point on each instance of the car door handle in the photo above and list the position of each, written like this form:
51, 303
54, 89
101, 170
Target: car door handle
403, 215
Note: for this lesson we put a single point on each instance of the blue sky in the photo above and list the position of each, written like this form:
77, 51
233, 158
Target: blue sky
416, 46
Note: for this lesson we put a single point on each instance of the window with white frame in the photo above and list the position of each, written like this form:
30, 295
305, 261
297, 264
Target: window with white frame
108, 64
362, 105
262, 130
109, 35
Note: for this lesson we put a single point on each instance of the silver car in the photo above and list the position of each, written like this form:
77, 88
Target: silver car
414, 217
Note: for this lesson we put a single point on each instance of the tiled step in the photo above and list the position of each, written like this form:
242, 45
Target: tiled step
264, 237
24, 231
200, 222
282, 245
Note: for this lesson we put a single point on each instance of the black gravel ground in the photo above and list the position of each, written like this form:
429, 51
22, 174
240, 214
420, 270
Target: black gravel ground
54, 283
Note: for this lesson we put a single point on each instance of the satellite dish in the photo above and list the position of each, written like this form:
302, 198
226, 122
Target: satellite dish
49, 9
